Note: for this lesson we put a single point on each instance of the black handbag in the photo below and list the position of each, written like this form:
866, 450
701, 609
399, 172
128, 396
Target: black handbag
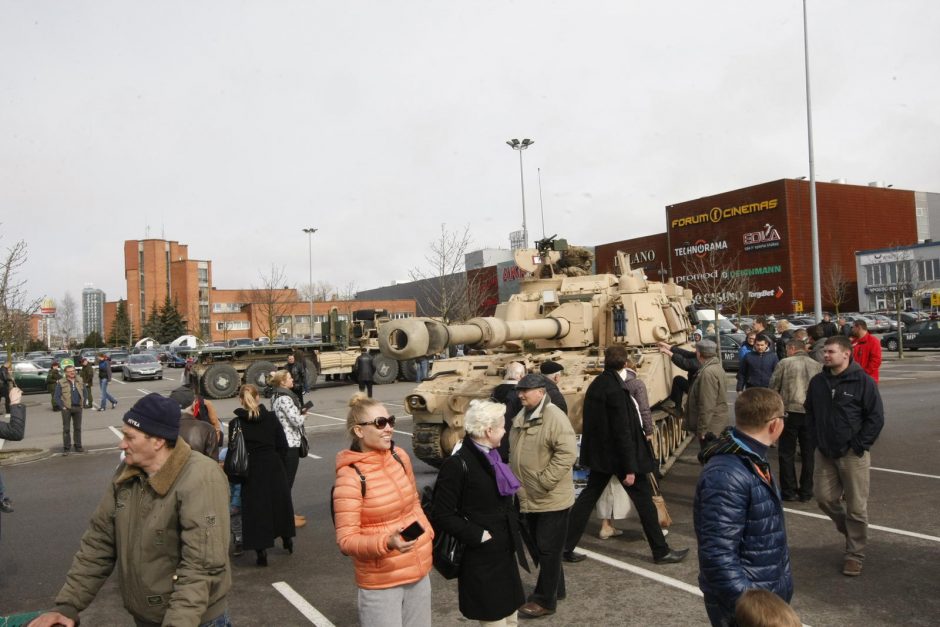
447, 552
236, 460
304, 445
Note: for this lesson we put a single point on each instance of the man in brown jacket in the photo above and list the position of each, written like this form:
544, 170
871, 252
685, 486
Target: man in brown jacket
707, 407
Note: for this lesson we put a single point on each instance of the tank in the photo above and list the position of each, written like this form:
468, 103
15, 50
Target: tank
562, 313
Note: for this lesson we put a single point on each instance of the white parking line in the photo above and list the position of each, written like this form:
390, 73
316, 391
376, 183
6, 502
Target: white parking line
143, 391
900, 532
118, 381
2, 442
310, 613
643, 572
905, 472
116, 431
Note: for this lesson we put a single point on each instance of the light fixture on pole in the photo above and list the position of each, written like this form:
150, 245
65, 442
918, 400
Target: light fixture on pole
310, 231
515, 144
814, 226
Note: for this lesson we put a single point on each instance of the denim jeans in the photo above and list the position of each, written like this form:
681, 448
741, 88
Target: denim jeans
105, 396
222, 620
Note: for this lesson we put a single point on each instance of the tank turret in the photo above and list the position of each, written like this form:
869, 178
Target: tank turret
562, 313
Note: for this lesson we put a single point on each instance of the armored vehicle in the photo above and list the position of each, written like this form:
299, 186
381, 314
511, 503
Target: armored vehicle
561, 313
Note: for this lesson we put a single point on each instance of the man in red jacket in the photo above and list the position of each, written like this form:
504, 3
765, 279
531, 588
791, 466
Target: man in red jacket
866, 349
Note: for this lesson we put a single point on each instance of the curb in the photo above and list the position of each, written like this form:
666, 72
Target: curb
12, 457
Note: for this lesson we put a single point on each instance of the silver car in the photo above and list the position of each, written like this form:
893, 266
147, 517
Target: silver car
143, 366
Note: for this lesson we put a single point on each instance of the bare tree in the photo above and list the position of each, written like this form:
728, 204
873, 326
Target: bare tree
835, 285
66, 316
320, 291
443, 281
348, 291
715, 281
15, 305
271, 300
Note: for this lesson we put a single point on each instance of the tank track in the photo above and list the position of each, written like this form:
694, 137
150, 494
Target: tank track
426, 443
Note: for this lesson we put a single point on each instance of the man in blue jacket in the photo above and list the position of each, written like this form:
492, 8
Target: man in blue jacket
757, 366
738, 514
844, 415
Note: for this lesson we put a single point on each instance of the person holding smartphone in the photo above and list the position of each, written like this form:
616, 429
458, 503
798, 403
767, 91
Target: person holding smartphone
474, 502
291, 415
376, 505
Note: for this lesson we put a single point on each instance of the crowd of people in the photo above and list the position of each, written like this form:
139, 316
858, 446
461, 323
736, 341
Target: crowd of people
506, 492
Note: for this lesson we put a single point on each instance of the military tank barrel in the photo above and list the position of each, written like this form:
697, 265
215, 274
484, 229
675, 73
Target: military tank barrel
416, 337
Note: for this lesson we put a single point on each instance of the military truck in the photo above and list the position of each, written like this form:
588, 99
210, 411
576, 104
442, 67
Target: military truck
561, 313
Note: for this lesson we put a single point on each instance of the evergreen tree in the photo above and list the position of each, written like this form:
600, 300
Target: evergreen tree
152, 325
93, 340
171, 322
121, 327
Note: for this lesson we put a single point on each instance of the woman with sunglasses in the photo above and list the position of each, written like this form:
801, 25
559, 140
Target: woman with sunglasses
474, 501
290, 414
375, 499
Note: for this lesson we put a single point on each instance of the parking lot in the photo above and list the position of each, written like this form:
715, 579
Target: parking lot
619, 585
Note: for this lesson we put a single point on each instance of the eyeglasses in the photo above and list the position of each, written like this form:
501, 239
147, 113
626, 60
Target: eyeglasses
380, 423
783, 417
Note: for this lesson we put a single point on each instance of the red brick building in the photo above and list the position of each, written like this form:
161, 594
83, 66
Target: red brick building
766, 229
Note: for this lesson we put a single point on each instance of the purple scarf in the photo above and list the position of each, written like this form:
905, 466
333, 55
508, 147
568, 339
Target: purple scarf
506, 482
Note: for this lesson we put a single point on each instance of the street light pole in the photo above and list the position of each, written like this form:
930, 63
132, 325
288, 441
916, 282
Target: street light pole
309, 231
515, 144
814, 225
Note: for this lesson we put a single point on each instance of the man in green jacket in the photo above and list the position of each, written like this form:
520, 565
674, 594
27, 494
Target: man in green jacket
707, 408
542, 452
88, 380
163, 523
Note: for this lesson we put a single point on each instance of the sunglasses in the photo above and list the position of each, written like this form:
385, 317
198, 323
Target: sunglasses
380, 423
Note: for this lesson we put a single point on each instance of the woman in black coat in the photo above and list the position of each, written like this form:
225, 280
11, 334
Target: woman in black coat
474, 502
267, 510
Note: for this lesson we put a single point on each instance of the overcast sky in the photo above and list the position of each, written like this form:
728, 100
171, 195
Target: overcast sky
229, 126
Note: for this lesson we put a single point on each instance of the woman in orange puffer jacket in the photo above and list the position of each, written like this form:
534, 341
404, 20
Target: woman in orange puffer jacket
391, 572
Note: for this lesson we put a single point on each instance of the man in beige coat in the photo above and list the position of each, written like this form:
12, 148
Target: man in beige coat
542, 452
707, 407
791, 380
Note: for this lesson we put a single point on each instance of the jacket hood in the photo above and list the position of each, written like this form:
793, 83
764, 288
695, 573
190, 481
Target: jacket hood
729, 444
852, 372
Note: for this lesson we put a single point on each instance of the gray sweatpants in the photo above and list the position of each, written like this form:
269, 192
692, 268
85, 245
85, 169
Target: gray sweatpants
401, 606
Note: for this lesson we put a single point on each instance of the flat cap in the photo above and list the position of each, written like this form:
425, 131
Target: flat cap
707, 348
532, 381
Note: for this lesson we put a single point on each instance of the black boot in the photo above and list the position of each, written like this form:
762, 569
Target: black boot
288, 545
262, 558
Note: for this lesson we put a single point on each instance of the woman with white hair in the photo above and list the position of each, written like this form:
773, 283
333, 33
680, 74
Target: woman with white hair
473, 501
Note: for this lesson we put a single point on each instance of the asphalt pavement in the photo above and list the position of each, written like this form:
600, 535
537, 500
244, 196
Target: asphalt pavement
54, 497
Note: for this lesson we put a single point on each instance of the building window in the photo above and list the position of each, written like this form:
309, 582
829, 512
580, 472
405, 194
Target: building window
233, 325
301, 319
282, 319
226, 307
399, 315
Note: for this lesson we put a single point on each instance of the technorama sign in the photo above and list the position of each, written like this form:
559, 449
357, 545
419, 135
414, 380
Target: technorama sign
717, 214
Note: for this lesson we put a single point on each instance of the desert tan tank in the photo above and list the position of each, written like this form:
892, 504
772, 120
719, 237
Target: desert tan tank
562, 314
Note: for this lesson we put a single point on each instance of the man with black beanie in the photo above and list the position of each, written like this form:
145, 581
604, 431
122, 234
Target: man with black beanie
163, 523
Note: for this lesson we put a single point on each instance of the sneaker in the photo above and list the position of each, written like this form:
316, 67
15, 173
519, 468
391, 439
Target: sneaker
6, 505
852, 567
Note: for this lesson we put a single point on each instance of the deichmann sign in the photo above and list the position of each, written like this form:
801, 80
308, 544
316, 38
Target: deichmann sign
769, 237
733, 273
700, 248
717, 214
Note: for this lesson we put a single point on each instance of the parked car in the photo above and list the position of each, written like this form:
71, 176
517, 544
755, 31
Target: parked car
730, 345
920, 335
142, 366
118, 359
44, 362
172, 359
30, 376
91, 354
35, 354
883, 323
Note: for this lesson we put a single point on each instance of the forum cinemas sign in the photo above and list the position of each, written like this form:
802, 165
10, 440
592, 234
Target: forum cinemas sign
717, 214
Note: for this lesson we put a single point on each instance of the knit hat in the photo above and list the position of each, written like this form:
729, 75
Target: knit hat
532, 381
155, 415
550, 367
